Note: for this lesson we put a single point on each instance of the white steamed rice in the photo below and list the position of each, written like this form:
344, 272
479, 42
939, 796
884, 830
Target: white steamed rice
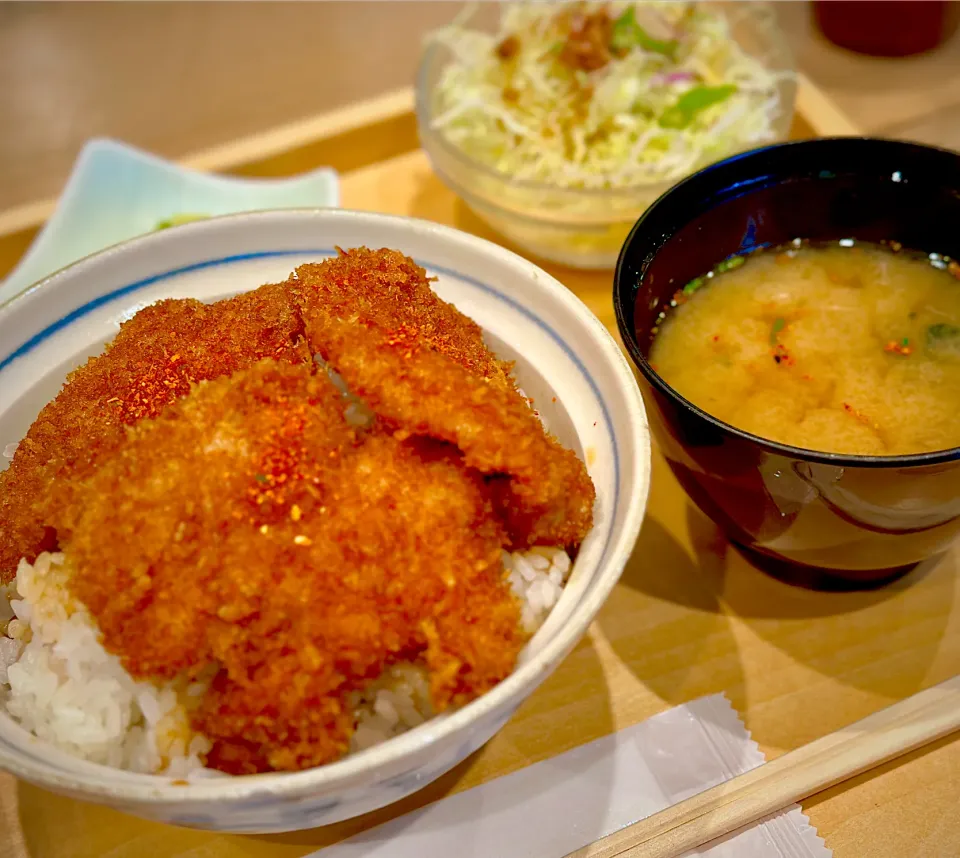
62, 686
59, 683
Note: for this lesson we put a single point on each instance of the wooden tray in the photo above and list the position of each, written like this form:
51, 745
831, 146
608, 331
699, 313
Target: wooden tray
690, 616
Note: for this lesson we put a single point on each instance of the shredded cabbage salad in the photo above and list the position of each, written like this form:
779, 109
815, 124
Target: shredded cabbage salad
603, 95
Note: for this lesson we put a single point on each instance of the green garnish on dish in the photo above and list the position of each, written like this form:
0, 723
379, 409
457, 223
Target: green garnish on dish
627, 34
778, 325
943, 339
730, 263
177, 220
942, 331
602, 95
692, 102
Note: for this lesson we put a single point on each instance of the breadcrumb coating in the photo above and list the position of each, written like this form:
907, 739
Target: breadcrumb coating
423, 366
250, 527
153, 360
387, 286
228, 511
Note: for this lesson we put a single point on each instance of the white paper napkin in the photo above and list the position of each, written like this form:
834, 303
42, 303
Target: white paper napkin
553, 807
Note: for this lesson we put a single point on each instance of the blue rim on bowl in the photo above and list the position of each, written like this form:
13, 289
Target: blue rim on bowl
62, 316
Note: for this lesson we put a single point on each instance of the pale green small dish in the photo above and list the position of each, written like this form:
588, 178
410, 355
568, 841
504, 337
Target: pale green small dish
117, 192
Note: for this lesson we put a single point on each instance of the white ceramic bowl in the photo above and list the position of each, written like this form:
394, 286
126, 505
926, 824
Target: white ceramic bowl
561, 350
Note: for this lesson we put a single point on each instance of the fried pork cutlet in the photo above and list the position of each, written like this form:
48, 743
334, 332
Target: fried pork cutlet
423, 366
152, 362
390, 288
251, 528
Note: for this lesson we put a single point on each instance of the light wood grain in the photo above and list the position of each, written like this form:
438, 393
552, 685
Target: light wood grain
176, 78
920, 720
825, 117
367, 134
883, 96
265, 153
11, 837
276, 145
689, 617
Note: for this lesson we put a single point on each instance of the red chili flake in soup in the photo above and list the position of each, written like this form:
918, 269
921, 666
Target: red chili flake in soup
900, 347
857, 324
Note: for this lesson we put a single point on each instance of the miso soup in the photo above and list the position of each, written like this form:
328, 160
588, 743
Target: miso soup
845, 349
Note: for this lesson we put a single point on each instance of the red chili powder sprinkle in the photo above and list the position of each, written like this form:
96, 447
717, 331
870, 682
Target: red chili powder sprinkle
280, 470
781, 356
156, 386
859, 415
900, 348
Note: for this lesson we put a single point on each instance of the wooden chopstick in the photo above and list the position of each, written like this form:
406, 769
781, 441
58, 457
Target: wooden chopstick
727, 807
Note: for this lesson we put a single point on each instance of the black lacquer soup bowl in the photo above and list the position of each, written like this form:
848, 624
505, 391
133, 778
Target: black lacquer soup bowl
820, 519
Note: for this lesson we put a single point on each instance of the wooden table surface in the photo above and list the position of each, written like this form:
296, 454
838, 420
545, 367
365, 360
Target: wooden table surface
690, 616
176, 78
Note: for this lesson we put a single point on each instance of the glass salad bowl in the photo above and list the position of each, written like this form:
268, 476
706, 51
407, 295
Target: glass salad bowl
583, 222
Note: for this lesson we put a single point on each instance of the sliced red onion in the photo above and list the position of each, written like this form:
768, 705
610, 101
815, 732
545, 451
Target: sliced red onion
674, 77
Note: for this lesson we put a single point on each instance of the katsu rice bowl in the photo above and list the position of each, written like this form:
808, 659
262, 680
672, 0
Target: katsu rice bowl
297, 508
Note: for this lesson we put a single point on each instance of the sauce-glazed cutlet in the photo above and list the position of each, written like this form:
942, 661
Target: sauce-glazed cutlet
391, 290
423, 367
151, 362
250, 527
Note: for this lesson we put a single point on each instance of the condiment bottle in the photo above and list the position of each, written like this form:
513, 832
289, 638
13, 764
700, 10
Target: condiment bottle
887, 28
